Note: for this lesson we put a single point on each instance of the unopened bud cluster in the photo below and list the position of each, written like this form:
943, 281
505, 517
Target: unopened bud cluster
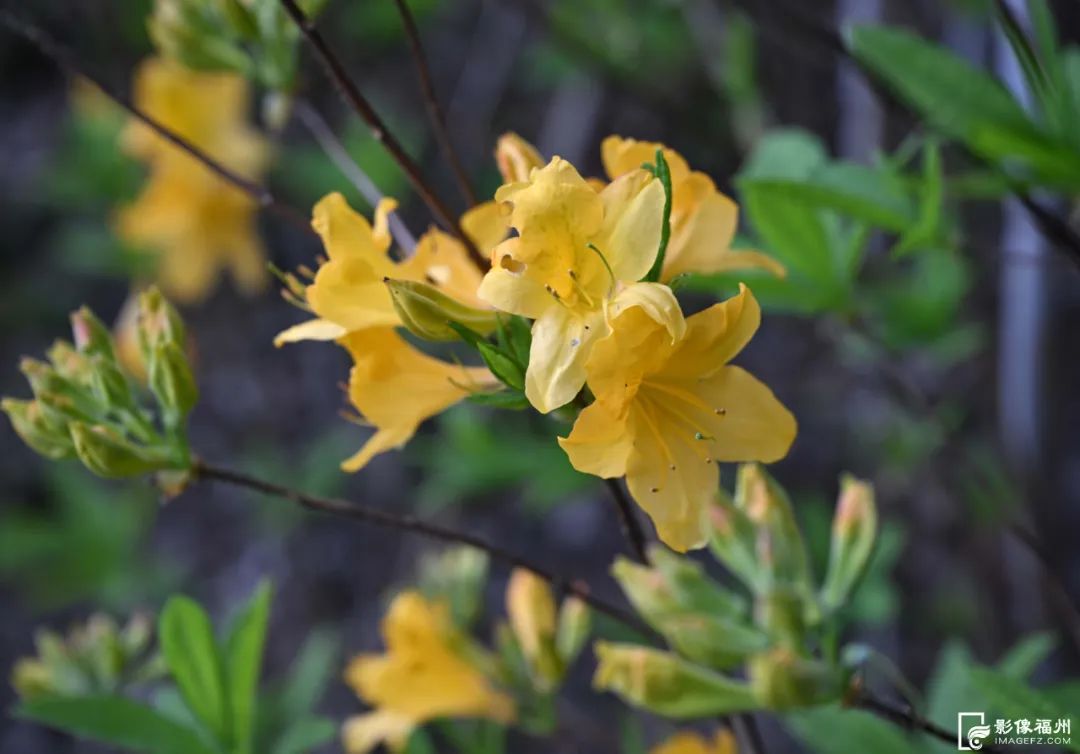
85, 406
774, 635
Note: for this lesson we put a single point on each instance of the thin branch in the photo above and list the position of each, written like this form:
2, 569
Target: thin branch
352, 171
431, 102
631, 526
64, 60
406, 522
353, 97
1059, 591
905, 717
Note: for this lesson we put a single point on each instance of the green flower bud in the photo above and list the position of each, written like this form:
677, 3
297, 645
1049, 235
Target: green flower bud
92, 337
31, 678
666, 684
172, 383
457, 575
69, 363
37, 429
782, 613
530, 606
158, 322
426, 311
782, 680
575, 624
107, 453
781, 553
853, 536
702, 620
734, 542
110, 386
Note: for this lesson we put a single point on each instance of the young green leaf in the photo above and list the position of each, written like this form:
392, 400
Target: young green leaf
115, 721
187, 642
243, 665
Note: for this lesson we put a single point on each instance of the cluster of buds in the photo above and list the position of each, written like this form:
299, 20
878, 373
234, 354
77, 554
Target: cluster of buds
776, 635
98, 657
254, 38
85, 406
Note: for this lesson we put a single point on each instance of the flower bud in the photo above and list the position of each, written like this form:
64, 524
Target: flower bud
531, 609
699, 618
853, 536
783, 680
516, 158
782, 613
575, 623
172, 383
158, 322
426, 311
31, 678
110, 386
107, 453
69, 363
781, 552
91, 336
129, 351
734, 541
666, 684
37, 429
456, 575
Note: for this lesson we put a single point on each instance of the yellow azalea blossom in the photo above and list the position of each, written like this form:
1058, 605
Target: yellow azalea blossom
665, 413
197, 223
422, 676
396, 387
575, 260
348, 293
687, 742
703, 220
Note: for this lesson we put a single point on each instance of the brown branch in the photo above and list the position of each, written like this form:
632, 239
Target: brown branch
631, 526
356, 100
431, 102
65, 60
906, 717
406, 522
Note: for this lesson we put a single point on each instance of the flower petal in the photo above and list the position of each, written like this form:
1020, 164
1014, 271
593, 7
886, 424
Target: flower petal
657, 301
510, 286
633, 216
350, 291
486, 224
346, 233
561, 340
441, 260
313, 329
599, 443
716, 335
362, 733
620, 156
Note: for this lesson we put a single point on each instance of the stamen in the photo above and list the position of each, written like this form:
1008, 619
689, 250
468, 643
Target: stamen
555, 295
719, 411
611, 274
654, 489
702, 436
580, 288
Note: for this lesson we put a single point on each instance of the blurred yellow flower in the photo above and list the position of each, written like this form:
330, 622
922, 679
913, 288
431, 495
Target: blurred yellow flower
195, 222
665, 413
396, 387
348, 293
423, 675
687, 742
703, 220
576, 258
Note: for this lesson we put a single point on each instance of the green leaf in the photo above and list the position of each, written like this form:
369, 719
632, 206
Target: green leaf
1024, 657
832, 730
187, 642
304, 735
1015, 699
962, 101
310, 673
502, 365
115, 721
243, 659
513, 400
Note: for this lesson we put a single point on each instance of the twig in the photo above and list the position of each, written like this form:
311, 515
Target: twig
631, 526
908, 718
352, 171
353, 97
1067, 606
431, 102
406, 522
746, 729
64, 60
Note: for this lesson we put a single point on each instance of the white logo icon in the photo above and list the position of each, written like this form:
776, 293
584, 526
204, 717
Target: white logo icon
971, 730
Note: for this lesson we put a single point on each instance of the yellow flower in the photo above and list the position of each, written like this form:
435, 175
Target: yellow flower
576, 258
348, 293
665, 413
703, 220
687, 742
395, 387
192, 219
422, 676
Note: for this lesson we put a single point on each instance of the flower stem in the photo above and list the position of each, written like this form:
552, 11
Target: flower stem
631, 526
335, 70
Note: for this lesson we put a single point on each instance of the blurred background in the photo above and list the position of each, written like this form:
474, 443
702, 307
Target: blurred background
946, 379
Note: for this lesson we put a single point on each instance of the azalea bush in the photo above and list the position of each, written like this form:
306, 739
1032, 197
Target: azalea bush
566, 336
